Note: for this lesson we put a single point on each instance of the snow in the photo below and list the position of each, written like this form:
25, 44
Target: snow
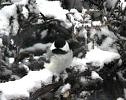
43, 34
15, 26
1, 43
98, 57
120, 98
45, 7
83, 80
84, 94
42, 6
88, 24
5, 14
123, 4
11, 60
4, 26
90, 45
95, 75
9, 11
14, 1
25, 12
37, 46
21, 2
103, 54
79, 64
105, 31
96, 23
22, 65
83, 33
23, 87
65, 88
76, 15
108, 45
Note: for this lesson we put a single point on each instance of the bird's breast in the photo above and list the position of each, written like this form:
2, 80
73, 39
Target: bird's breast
59, 62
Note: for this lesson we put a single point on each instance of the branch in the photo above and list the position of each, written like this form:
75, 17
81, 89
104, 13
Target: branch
32, 81
45, 89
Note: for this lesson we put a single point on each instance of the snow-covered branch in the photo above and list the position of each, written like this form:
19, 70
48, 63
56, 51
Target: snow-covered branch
23, 87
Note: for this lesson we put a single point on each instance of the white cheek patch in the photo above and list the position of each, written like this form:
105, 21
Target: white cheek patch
66, 47
52, 47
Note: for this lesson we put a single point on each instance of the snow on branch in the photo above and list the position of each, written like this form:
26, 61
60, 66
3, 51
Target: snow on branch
38, 46
10, 13
23, 87
98, 57
35, 79
95, 57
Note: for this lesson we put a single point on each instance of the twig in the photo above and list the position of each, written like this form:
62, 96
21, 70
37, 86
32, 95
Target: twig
45, 89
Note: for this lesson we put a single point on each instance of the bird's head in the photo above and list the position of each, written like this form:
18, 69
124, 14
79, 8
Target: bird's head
60, 46
60, 56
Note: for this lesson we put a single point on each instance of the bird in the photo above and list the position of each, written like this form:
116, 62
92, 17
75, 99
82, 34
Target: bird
60, 56
56, 59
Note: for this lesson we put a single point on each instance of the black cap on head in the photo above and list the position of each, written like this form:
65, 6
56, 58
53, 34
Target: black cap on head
59, 43
60, 46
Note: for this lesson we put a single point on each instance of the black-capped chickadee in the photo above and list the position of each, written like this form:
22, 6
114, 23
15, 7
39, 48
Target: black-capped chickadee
60, 56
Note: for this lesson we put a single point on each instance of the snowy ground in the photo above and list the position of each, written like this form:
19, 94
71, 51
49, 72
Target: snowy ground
98, 57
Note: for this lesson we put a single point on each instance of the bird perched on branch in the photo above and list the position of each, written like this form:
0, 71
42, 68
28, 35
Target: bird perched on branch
60, 56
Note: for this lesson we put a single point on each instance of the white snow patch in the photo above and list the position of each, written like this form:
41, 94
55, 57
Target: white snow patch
65, 88
37, 46
95, 75
123, 4
96, 23
54, 9
21, 2
25, 12
83, 33
84, 93
4, 26
11, 60
99, 57
90, 45
22, 65
108, 45
43, 34
15, 1
76, 15
83, 80
105, 31
88, 24
15, 26
5, 14
9, 11
1, 43
23, 87
120, 98
79, 64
